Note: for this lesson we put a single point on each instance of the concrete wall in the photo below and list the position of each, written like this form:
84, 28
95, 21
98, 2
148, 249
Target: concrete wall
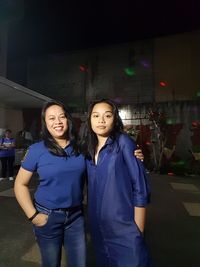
12, 119
173, 59
177, 61
3, 50
10, 13
59, 76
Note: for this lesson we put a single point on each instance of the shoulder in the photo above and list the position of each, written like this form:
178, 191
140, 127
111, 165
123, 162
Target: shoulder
125, 140
38, 147
34, 152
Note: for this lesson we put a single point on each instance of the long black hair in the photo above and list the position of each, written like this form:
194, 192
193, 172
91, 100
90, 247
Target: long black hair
48, 139
89, 139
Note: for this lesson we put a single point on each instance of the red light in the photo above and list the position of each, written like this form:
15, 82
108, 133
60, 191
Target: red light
83, 68
195, 123
163, 83
148, 143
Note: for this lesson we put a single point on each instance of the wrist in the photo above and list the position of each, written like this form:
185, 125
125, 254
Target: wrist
33, 216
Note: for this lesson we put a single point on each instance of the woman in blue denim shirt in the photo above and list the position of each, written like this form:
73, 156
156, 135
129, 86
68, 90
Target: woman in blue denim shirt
118, 190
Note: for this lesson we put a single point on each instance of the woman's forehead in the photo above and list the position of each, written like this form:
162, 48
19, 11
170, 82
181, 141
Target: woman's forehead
102, 107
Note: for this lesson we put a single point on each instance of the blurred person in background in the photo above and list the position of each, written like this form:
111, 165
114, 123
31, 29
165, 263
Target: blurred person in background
7, 155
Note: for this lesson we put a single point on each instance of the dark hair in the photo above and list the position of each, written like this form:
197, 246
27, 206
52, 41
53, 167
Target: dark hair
8, 131
71, 134
89, 139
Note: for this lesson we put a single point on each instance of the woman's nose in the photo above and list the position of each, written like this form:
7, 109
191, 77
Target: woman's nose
57, 120
101, 119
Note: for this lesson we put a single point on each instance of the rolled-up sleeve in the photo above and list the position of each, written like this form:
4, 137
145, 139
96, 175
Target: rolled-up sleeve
137, 172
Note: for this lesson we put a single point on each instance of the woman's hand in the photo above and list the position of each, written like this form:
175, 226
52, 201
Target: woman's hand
140, 215
40, 220
138, 153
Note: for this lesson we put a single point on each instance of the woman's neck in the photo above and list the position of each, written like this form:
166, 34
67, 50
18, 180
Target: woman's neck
62, 142
101, 141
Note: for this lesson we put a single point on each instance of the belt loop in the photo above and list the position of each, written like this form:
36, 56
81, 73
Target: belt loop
41, 208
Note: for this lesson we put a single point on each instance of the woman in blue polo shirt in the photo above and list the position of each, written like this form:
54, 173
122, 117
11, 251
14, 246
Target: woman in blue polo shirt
56, 212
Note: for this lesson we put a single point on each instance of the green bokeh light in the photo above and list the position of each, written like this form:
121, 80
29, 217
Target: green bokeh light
170, 121
129, 71
198, 94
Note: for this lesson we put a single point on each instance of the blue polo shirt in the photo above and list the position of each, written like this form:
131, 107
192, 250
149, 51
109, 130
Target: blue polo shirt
7, 152
61, 179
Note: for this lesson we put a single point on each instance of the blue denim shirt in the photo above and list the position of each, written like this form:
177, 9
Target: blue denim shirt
117, 184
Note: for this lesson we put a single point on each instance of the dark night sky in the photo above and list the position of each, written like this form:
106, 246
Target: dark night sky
56, 26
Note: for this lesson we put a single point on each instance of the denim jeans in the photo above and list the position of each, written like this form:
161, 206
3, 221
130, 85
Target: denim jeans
61, 229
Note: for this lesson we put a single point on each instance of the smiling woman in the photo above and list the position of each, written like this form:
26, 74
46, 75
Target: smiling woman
56, 211
56, 123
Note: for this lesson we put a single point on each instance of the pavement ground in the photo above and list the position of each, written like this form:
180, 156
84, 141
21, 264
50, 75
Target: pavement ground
172, 228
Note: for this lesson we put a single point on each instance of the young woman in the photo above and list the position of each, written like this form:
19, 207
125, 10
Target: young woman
118, 190
56, 212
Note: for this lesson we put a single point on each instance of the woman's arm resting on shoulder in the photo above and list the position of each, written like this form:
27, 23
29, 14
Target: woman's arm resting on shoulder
140, 214
138, 153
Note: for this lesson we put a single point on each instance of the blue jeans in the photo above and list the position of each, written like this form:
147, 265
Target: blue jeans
61, 229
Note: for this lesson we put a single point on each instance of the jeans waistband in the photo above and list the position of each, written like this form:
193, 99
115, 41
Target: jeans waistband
71, 210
